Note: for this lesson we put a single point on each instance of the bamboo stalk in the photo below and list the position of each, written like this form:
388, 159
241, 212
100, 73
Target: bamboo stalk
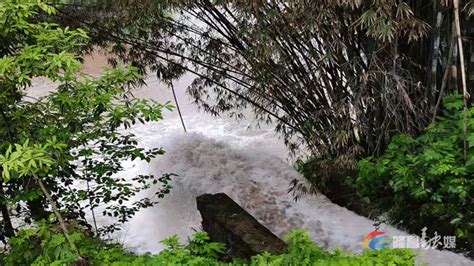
435, 51
447, 71
177, 105
463, 72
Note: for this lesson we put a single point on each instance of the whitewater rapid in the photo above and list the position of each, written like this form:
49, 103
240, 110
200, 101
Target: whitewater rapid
249, 164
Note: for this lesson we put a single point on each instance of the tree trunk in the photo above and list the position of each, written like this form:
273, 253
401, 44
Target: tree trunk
8, 230
62, 223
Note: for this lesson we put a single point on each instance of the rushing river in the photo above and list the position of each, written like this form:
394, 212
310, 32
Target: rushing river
247, 163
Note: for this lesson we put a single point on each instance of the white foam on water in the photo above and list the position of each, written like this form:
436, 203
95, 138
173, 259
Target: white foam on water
251, 172
249, 165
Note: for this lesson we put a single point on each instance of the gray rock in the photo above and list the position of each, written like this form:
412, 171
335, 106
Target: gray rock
226, 222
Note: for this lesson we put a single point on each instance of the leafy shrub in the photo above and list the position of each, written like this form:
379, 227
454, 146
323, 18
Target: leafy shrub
43, 245
46, 246
302, 251
426, 181
73, 134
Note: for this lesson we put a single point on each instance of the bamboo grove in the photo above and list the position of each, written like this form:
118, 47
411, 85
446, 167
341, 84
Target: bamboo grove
338, 77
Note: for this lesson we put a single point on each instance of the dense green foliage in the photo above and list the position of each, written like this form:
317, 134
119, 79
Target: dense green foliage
64, 151
45, 246
320, 70
426, 181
